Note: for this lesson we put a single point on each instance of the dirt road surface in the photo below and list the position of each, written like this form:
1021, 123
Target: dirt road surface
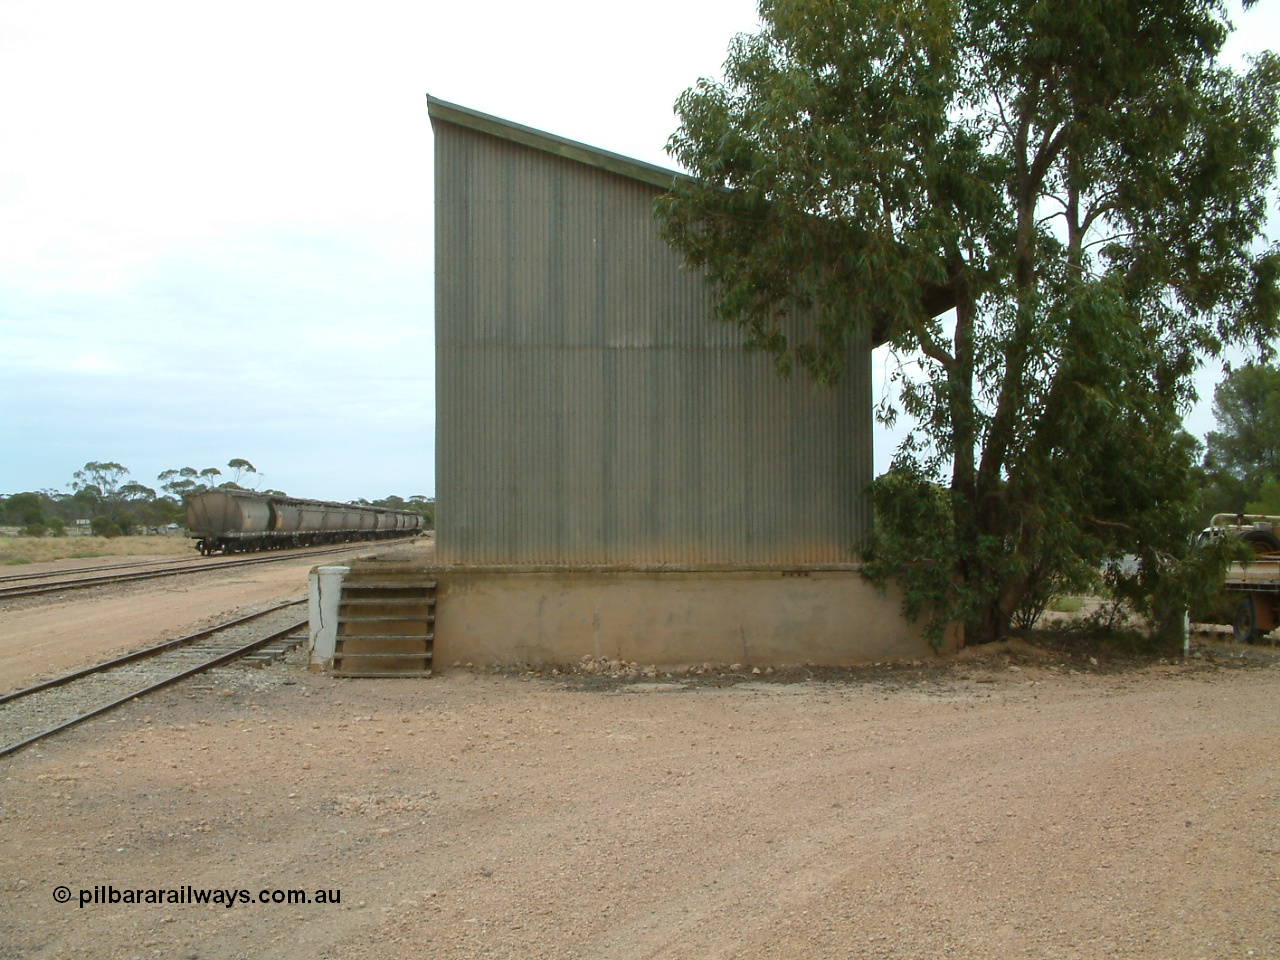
1002, 808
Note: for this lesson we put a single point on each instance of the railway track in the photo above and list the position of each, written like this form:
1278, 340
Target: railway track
9, 578
36, 712
50, 584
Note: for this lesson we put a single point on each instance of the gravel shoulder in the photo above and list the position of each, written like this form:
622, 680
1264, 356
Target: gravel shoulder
1012, 806
47, 636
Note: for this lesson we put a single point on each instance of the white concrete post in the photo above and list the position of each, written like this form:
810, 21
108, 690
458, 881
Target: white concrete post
324, 595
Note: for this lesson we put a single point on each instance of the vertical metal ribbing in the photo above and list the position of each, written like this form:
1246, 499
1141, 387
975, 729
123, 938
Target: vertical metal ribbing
590, 411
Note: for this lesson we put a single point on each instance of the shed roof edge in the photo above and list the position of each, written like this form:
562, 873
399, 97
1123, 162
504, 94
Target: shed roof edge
616, 163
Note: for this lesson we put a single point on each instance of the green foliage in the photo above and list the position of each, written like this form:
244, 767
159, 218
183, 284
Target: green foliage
1083, 183
915, 520
241, 468
88, 495
103, 486
183, 483
180, 483
118, 505
1165, 584
1268, 501
102, 477
24, 509
168, 510
1246, 407
1242, 460
37, 529
136, 492
105, 527
426, 507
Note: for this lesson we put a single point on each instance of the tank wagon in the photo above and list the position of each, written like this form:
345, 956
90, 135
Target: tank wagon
235, 521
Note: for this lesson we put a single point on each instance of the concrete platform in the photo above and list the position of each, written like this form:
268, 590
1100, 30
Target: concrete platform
668, 616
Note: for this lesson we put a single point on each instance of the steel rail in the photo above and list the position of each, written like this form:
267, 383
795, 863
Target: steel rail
98, 567
182, 675
142, 653
82, 583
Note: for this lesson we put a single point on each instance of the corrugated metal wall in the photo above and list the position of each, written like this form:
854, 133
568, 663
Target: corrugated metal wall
588, 412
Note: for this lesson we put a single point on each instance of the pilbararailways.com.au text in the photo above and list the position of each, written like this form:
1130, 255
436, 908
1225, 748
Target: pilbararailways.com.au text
228, 898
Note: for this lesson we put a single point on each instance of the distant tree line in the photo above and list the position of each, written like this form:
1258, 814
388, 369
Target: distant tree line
113, 504
1242, 456
423, 506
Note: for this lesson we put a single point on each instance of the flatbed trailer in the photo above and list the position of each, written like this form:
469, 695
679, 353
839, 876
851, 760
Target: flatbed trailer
1257, 583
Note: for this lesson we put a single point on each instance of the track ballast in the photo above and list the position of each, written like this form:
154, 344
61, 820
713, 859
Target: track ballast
35, 712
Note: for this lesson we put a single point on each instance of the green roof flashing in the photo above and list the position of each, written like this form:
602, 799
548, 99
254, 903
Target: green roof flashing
549, 143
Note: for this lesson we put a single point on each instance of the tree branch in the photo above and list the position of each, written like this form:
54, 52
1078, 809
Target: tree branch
1112, 524
1046, 154
1114, 236
1094, 213
1004, 119
930, 346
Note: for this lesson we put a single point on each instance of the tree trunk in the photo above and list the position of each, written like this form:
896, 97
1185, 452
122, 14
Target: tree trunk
963, 471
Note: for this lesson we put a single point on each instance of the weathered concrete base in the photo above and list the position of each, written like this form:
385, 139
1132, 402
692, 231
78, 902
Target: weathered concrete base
323, 596
823, 615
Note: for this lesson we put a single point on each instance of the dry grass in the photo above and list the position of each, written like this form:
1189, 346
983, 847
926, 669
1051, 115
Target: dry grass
20, 550
1066, 605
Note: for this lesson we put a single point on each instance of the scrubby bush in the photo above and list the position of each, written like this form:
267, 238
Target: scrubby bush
104, 527
36, 529
24, 509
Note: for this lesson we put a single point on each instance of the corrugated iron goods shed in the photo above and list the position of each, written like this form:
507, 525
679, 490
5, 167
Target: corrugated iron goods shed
589, 411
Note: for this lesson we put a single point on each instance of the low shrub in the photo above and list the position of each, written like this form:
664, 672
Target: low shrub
104, 527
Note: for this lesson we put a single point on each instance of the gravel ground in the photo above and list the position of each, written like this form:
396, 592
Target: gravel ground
1017, 805
29, 715
68, 631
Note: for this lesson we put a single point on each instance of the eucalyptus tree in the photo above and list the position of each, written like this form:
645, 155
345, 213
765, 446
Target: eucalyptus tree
240, 468
1082, 185
179, 483
101, 483
104, 477
1246, 408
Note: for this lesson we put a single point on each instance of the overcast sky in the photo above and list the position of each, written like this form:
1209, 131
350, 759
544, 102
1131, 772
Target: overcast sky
215, 220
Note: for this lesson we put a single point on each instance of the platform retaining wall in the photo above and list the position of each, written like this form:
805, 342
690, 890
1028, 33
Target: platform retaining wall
758, 617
